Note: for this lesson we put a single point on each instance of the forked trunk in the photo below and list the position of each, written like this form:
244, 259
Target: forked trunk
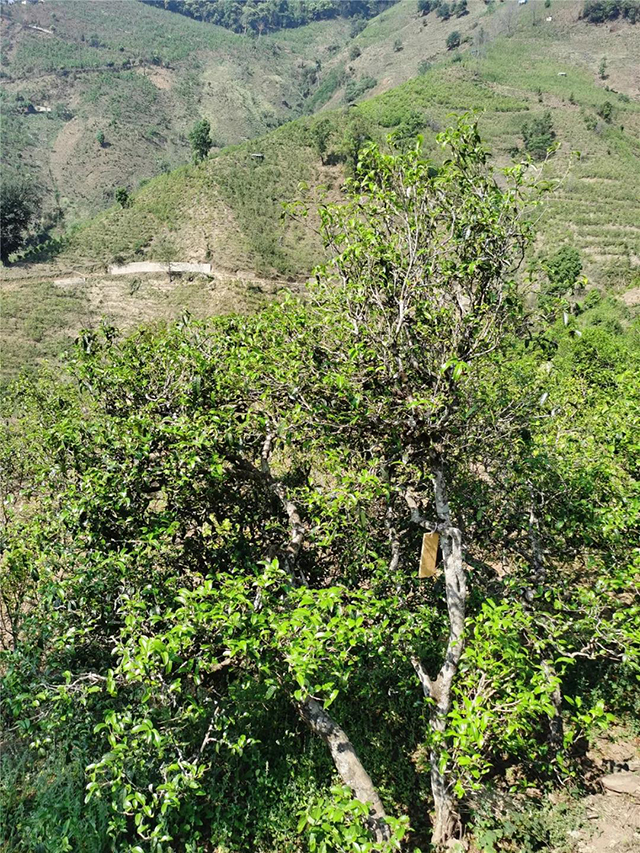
347, 764
345, 758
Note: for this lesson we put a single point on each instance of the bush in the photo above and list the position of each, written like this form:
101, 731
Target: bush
606, 112
563, 269
19, 209
122, 197
356, 88
539, 136
200, 140
453, 40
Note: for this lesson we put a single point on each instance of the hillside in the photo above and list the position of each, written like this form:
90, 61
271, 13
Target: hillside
513, 68
142, 76
319, 445
227, 209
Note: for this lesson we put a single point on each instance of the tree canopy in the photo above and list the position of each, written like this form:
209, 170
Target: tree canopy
258, 16
215, 632
19, 208
200, 140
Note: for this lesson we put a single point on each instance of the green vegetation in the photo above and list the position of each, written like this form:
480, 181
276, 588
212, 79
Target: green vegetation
602, 69
563, 269
539, 136
453, 40
200, 140
19, 209
260, 16
605, 111
599, 11
213, 632
356, 88
121, 196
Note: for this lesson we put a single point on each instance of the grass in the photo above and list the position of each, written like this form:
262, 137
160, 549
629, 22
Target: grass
35, 329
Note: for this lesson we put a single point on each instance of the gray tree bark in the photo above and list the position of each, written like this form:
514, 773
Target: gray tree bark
348, 765
446, 821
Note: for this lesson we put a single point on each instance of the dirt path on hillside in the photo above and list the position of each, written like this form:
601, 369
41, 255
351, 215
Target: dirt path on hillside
46, 306
613, 813
65, 275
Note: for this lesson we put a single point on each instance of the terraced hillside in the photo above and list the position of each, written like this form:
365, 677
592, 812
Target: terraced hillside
513, 66
141, 76
228, 209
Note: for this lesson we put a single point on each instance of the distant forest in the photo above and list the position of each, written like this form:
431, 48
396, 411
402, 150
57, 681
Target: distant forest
260, 16
599, 11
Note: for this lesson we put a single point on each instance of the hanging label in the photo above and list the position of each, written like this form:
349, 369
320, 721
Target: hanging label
428, 555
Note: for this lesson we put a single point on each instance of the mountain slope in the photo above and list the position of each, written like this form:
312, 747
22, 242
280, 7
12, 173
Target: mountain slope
227, 211
141, 76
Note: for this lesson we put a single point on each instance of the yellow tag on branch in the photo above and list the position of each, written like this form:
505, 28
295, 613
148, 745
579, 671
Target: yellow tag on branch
428, 555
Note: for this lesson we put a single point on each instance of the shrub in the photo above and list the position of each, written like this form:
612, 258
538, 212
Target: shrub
563, 269
538, 135
453, 40
356, 27
200, 140
356, 88
122, 197
606, 112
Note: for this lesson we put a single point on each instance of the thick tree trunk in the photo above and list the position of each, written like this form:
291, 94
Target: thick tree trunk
347, 763
446, 818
